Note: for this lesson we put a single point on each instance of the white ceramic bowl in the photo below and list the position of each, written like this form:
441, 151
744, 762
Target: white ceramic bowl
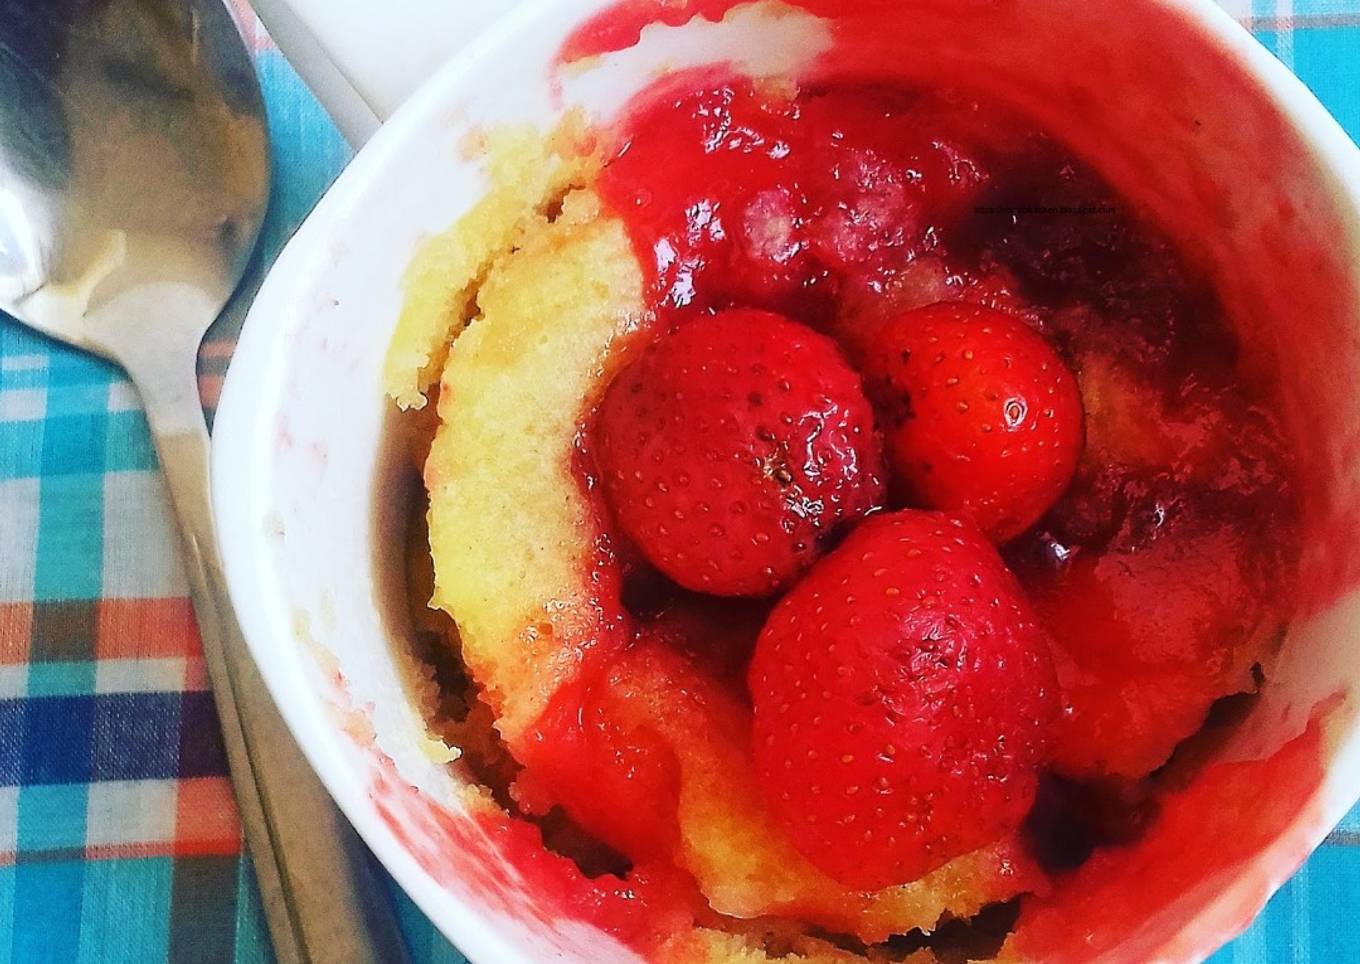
1171, 100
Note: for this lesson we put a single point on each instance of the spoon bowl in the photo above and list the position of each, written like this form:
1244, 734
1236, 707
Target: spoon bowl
133, 167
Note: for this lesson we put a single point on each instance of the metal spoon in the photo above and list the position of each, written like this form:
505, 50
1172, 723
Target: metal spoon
133, 180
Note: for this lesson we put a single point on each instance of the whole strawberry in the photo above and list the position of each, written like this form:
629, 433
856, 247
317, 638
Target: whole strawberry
903, 697
733, 448
979, 414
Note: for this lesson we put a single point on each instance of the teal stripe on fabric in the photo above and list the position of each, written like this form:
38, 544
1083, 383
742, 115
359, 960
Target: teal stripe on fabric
125, 912
1326, 61
1334, 879
17, 340
70, 538
52, 817
71, 367
82, 399
1253, 947
73, 444
1310, 919
128, 442
1341, 9
61, 679
1284, 934
308, 151
8, 922
252, 936
426, 944
47, 900
21, 448
26, 376
24, 361
1298, 902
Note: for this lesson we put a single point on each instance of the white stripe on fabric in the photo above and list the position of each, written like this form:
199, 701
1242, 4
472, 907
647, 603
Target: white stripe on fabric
18, 538
130, 811
9, 819
123, 397
137, 515
1284, 42
1301, 918
22, 363
23, 404
139, 675
13, 681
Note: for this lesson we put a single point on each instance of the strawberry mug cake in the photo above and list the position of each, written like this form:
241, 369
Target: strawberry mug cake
848, 522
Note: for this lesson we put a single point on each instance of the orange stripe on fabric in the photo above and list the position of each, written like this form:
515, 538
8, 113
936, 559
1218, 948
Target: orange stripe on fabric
205, 818
16, 632
195, 675
145, 628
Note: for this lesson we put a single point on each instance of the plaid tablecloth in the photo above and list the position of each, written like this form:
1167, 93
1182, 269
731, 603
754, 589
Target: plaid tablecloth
118, 837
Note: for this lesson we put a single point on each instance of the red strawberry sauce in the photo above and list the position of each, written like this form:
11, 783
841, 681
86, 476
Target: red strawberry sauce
840, 206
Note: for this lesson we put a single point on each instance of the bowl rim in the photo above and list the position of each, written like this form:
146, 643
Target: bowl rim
236, 491
243, 415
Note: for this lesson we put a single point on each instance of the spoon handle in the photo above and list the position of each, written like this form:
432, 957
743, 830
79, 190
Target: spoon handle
322, 898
